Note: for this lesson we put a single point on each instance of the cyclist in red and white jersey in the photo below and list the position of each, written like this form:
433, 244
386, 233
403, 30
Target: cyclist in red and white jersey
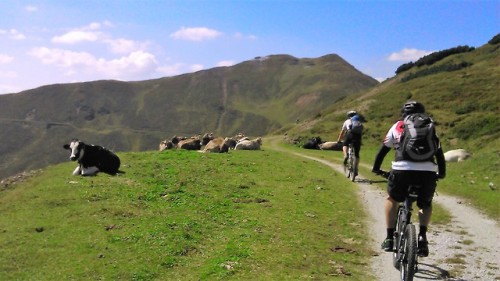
405, 173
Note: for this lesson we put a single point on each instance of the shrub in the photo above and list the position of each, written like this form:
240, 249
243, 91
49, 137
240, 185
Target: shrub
495, 39
404, 67
435, 70
437, 56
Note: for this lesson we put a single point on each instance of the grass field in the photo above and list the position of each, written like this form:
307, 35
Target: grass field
183, 215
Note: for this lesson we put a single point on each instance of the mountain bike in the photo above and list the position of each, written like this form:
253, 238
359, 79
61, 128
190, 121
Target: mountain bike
349, 167
405, 258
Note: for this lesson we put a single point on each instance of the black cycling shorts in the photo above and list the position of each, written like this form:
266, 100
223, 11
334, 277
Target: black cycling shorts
399, 182
356, 142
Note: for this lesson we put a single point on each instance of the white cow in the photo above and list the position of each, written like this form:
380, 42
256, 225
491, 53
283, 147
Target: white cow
249, 144
457, 155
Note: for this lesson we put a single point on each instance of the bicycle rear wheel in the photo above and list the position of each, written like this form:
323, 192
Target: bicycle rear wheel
352, 167
409, 265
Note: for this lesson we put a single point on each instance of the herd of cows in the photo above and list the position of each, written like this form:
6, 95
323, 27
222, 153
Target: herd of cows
92, 159
210, 143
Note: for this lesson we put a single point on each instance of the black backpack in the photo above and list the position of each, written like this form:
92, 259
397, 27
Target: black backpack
418, 141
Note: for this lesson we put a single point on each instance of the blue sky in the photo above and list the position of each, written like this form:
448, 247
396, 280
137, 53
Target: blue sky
49, 42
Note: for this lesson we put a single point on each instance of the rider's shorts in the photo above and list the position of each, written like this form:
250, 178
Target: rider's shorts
399, 182
355, 139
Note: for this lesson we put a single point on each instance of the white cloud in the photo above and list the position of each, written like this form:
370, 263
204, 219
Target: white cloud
76, 63
74, 37
13, 34
406, 55
88, 33
31, 8
196, 67
62, 58
225, 63
125, 46
170, 70
195, 33
92, 33
241, 36
4, 59
135, 62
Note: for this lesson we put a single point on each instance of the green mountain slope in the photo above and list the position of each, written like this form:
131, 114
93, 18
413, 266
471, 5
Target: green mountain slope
255, 97
465, 103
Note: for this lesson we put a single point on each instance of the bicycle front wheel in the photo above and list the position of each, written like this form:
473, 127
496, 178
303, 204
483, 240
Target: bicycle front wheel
409, 265
347, 167
398, 238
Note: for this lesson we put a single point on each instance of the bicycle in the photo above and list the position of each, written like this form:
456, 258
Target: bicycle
405, 258
349, 167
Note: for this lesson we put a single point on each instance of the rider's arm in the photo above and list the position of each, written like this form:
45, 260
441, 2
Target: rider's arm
342, 132
380, 158
441, 162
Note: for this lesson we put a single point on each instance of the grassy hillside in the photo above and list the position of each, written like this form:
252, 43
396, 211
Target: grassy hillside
465, 103
254, 97
183, 215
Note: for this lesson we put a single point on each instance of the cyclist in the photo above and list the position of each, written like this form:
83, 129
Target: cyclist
405, 173
353, 135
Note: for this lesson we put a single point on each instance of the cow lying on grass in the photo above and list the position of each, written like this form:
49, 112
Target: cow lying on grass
457, 155
331, 145
92, 159
218, 145
246, 144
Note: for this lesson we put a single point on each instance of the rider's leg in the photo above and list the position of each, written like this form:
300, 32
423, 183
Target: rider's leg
356, 164
357, 148
425, 211
391, 210
424, 201
347, 141
424, 217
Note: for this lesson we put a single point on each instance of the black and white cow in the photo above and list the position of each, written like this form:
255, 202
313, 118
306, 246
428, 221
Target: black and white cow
92, 159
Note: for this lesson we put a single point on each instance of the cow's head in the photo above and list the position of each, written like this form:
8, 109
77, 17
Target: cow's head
75, 146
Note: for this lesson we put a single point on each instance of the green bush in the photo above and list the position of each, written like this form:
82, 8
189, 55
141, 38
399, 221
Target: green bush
495, 39
437, 56
436, 69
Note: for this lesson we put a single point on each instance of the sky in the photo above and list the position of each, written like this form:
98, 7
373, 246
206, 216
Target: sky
46, 42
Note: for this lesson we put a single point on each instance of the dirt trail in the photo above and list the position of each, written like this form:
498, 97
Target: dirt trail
468, 249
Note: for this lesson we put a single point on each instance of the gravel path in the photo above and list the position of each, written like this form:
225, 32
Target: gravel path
468, 249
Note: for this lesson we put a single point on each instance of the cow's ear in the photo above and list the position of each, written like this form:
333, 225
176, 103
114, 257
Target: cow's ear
66, 146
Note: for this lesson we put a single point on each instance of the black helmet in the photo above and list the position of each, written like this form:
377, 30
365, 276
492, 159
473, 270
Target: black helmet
351, 113
412, 107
